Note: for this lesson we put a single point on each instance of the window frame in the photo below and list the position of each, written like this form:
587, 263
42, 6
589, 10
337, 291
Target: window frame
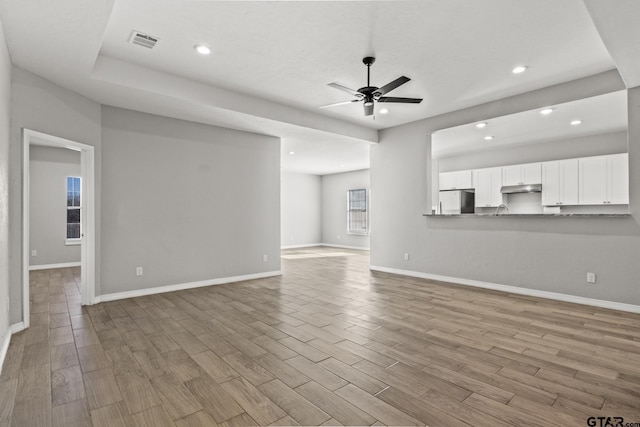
351, 209
70, 241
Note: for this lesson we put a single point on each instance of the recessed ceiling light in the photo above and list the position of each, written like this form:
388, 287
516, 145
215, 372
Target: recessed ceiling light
519, 69
488, 138
547, 111
341, 166
202, 49
384, 111
291, 153
481, 125
575, 122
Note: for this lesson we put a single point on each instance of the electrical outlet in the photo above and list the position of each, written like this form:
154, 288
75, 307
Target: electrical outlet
34, 252
406, 257
265, 258
591, 277
139, 271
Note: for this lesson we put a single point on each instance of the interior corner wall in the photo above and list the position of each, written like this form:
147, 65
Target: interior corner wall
334, 208
188, 202
48, 171
5, 119
546, 254
301, 207
43, 106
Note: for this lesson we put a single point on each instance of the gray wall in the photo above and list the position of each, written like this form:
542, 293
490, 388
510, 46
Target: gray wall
49, 168
186, 201
43, 106
549, 254
301, 209
593, 145
5, 106
334, 208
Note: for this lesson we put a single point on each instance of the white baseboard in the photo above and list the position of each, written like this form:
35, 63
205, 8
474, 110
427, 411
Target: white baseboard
359, 248
514, 289
50, 266
311, 245
5, 348
183, 286
7, 340
17, 327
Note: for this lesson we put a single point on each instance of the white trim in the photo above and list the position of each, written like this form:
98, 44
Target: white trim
183, 286
311, 245
5, 348
50, 266
87, 167
513, 289
15, 328
359, 248
72, 242
25, 228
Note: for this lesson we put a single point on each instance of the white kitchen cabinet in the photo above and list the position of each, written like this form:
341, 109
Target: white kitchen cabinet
603, 180
455, 180
529, 173
560, 182
487, 183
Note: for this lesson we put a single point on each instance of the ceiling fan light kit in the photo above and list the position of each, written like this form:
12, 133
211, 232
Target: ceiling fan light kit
371, 94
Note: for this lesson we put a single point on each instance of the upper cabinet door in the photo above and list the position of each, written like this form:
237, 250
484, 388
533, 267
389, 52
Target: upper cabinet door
592, 180
618, 174
531, 173
447, 181
464, 179
560, 182
568, 182
487, 184
551, 183
512, 175
455, 180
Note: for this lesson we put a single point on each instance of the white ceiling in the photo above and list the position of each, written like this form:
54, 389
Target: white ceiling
599, 114
272, 60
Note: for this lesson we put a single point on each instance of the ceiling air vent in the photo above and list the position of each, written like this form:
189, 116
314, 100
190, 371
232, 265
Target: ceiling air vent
142, 39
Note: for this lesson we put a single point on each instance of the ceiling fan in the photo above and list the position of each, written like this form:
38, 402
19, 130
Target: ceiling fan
370, 94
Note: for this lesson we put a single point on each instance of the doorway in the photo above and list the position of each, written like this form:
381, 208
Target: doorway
87, 236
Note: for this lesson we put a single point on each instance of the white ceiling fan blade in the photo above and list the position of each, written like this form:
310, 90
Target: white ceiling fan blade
339, 103
346, 89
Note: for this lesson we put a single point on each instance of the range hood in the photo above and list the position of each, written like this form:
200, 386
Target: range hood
526, 188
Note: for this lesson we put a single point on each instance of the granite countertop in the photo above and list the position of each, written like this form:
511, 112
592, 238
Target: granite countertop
537, 215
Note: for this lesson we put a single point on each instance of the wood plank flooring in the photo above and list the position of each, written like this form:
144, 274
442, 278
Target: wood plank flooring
328, 343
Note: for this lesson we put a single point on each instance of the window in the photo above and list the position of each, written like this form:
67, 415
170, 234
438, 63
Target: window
74, 206
357, 216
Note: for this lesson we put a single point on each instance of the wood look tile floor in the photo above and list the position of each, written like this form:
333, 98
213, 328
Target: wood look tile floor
328, 343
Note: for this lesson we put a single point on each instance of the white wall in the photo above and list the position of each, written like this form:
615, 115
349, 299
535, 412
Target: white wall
5, 119
547, 254
334, 208
301, 207
187, 202
43, 106
49, 168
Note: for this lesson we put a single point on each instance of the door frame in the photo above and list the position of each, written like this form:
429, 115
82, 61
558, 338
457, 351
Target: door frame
88, 242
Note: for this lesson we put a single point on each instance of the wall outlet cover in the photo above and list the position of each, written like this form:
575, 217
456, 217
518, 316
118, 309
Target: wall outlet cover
591, 277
